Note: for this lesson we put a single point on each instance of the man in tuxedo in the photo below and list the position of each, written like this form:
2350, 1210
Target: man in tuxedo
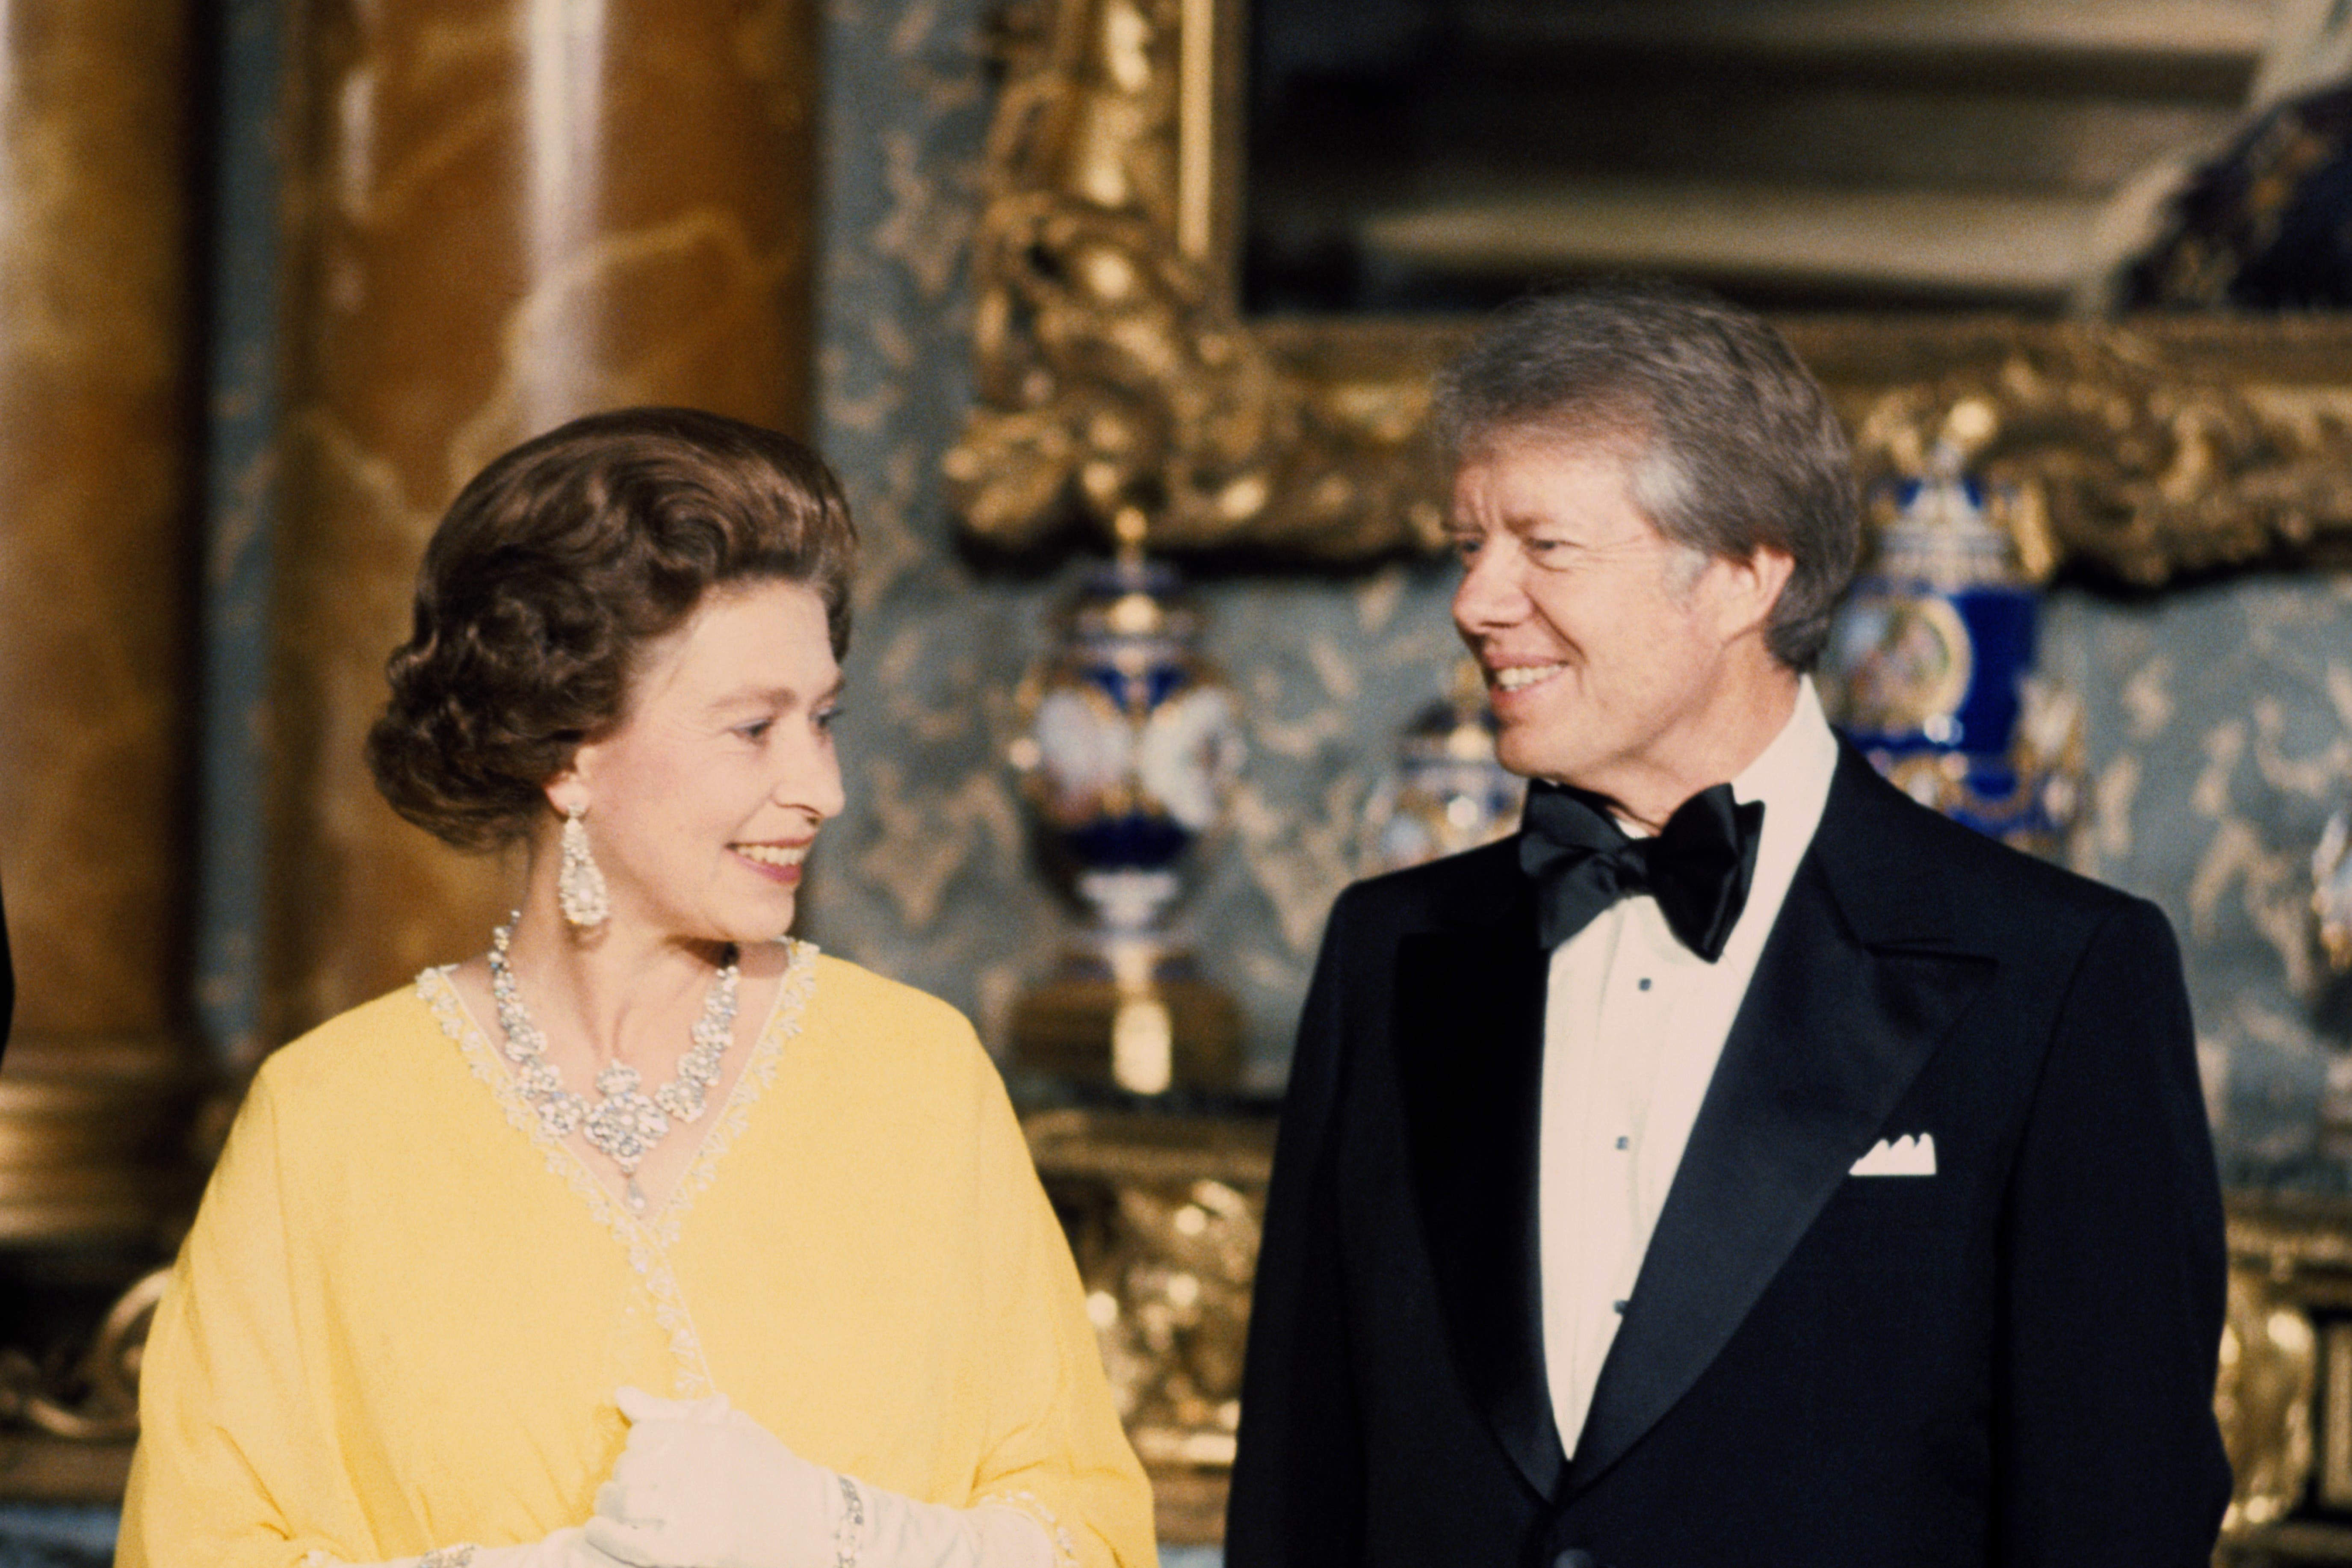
1742, 1167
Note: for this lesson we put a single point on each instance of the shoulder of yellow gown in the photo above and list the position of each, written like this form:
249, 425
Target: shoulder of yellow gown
396, 1031
865, 1012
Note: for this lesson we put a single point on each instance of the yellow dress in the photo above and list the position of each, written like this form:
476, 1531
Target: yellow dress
401, 1315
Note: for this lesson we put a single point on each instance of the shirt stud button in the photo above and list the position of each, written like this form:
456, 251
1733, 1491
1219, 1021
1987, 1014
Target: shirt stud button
1645, 983
1624, 1143
1621, 1308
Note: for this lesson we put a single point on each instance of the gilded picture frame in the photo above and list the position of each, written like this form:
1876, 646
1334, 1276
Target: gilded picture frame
1122, 389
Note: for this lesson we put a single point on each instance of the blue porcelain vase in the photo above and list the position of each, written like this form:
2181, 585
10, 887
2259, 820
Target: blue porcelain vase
1134, 741
1446, 792
1931, 669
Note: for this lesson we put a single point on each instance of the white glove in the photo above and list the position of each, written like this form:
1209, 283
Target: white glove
702, 1484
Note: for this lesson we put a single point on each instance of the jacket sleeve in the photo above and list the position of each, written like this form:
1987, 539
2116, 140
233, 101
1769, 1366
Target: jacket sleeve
1298, 1482
2106, 1450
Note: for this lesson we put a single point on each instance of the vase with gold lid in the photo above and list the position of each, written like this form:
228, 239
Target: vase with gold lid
1131, 746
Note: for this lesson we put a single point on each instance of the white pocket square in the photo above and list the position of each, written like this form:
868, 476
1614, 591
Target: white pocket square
1909, 1156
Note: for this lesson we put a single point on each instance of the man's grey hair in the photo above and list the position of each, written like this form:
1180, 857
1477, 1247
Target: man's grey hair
1731, 443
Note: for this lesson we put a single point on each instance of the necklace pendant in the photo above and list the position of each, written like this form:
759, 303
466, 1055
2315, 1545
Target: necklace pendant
627, 1122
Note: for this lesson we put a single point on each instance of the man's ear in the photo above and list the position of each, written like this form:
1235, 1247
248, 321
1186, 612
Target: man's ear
1750, 586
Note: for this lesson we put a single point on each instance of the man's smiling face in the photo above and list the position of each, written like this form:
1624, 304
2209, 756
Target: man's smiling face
1605, 645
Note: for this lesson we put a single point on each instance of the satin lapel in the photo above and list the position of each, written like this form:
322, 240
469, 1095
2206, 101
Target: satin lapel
1470, 1054
1834, 1028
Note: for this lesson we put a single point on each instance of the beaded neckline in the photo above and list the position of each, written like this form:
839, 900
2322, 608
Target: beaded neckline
625, 1123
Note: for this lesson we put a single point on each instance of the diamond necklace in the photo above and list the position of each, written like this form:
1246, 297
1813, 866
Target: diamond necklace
627, 1122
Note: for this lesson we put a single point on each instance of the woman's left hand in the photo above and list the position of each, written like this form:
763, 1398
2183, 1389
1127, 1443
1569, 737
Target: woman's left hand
702, 1484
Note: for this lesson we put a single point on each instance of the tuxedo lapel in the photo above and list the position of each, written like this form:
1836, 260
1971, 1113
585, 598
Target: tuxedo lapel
1854, 989
1470, 1053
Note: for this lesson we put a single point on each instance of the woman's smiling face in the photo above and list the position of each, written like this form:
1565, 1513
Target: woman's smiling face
702, 805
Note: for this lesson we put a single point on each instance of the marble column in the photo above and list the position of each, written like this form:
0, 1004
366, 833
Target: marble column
96, 574
505, 213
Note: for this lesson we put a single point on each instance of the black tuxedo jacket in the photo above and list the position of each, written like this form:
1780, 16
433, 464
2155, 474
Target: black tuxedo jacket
2010, 1361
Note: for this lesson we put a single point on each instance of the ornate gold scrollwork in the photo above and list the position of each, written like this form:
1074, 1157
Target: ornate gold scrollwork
1114, 369
2284, 1397
1172, 1310
1117, 371
1164, 1215
98, 1399
2109, 450
2270, 1370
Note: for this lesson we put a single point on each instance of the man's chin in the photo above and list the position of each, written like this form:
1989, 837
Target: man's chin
1530, 743
1529, 759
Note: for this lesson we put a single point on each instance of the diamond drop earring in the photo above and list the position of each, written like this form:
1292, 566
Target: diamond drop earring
579, 884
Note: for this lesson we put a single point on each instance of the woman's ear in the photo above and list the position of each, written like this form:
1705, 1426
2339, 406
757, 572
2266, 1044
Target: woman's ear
567, 792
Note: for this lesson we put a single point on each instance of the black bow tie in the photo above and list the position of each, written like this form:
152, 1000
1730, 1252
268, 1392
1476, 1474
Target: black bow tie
1697, 868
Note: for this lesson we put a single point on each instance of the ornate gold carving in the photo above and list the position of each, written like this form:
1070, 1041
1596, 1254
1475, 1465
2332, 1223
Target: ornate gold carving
1115, 368
1164, 1214
2336, 1420
2270, 1367
2108, 448
98, 1399
2284, 1394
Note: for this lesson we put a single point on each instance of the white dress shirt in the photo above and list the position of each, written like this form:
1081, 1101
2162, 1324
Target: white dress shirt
1634, 1022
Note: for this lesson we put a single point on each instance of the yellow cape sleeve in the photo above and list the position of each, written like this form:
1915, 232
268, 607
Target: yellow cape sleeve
236, 1466
1060, 1453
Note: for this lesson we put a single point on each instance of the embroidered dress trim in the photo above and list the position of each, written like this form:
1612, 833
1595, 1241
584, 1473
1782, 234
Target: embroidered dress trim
792, 992
646, 1242
849, 1535
447, 1556
1066, 1550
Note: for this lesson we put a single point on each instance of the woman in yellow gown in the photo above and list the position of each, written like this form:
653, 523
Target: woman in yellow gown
651, 1236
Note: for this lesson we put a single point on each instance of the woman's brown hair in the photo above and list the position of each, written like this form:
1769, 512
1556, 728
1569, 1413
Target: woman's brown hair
554, 570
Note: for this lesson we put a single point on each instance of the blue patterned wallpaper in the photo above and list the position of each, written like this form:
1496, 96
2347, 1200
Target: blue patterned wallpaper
2218, 723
